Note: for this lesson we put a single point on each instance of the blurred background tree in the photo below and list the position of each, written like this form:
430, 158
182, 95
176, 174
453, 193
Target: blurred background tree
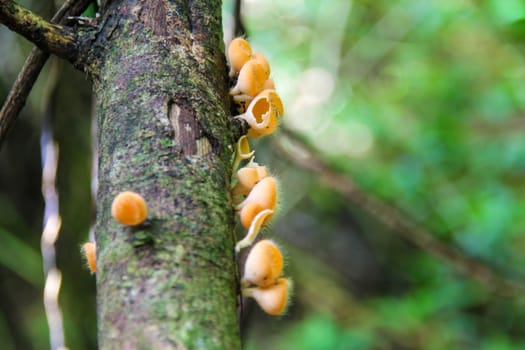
417, 103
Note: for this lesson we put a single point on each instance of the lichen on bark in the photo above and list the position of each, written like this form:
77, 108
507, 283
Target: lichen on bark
160, 82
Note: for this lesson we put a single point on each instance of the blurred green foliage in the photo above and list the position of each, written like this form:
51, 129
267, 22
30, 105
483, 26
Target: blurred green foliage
419, 102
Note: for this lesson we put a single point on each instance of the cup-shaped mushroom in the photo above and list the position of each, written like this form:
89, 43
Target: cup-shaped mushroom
129, 208
243, 148
247, 178
239, 52
251, 79
263, 265
273, 299
89, 249
262, 197
264, 193
242, 152
263, 113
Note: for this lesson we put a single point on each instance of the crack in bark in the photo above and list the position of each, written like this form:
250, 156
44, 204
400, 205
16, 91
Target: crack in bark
188, 133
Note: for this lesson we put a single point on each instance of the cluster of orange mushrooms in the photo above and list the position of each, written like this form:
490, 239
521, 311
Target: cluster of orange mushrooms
254, 191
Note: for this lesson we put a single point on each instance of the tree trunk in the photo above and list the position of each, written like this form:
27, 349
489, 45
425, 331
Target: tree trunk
164, 131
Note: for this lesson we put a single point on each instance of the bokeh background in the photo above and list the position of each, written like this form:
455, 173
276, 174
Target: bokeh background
418, 103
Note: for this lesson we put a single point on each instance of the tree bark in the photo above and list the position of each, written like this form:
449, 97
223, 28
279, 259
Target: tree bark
160, 82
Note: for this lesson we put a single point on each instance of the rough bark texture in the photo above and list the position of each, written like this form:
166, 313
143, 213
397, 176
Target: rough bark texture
164, 132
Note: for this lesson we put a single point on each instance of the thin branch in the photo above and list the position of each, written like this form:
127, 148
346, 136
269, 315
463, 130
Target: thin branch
397, 223
20, 90
33, 65
57, 39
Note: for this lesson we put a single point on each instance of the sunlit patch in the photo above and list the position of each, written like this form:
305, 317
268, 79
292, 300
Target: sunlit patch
315, 88
317, 84
353, 140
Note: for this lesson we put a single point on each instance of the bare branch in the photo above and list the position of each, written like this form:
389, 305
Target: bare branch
33, 65
53, 38
398, 223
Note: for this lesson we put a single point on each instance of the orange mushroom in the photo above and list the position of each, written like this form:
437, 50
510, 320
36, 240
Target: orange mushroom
263, 265
262, 114
89, 249
248, 177
239, 52
273, 299
251, 80
264, 194
242, 152
129, 208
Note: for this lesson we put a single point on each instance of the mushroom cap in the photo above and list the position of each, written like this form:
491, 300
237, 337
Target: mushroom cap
264, 193
252, 77
273, 299
247, 178
239, 52
262, 114
129, 208
90, 252
264, 264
